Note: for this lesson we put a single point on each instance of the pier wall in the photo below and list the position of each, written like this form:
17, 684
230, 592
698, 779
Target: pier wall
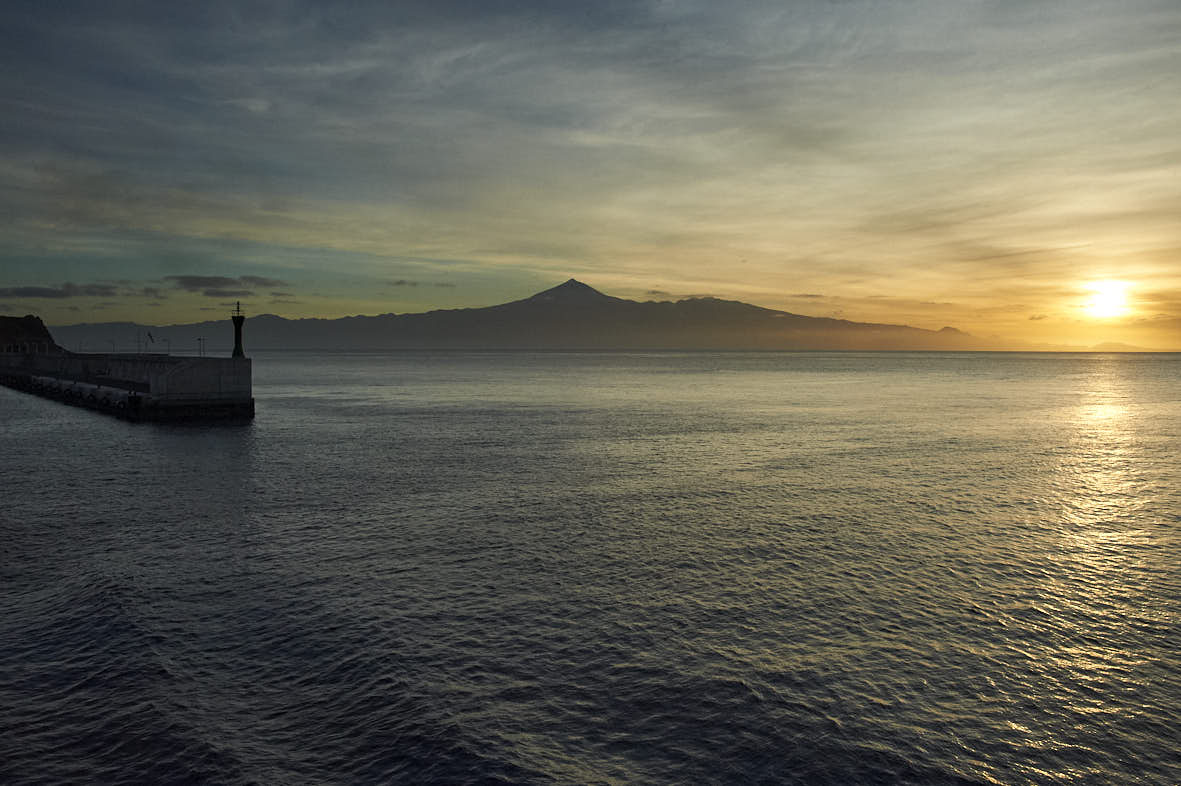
137, 386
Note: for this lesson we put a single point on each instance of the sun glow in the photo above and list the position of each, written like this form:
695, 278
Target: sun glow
1108, 299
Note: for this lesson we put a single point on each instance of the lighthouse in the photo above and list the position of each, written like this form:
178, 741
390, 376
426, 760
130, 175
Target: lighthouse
238, 317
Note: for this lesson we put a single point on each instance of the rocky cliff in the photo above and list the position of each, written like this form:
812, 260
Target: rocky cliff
21, 334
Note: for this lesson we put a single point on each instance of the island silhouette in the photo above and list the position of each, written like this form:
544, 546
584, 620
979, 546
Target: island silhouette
572, 315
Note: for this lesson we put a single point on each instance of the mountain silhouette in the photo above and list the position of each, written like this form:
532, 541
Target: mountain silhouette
572, 315
572, 292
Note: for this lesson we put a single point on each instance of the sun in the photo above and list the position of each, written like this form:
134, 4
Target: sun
1108, 299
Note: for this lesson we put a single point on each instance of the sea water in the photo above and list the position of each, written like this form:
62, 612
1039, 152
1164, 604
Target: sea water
604, 568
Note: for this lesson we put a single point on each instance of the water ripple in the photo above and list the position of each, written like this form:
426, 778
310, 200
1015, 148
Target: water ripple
604, 569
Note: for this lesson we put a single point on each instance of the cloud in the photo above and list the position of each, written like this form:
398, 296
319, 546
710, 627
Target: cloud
403, 282
66, 290
227, 293
196, 283
1037, 317
222, 286
658, 293
259, 281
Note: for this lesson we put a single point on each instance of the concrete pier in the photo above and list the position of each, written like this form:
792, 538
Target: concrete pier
137, 387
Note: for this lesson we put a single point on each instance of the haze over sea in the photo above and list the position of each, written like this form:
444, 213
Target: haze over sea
604, 568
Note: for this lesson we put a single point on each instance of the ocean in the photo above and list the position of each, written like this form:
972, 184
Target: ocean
616, 568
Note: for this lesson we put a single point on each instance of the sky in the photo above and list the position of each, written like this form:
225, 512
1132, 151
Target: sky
1010, 168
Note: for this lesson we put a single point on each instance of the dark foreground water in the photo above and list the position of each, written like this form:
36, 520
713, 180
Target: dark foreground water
604, 568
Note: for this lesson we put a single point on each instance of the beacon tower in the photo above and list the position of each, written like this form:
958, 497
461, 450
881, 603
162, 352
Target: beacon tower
238, 318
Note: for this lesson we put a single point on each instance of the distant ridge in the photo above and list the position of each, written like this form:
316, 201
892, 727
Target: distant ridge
571, 315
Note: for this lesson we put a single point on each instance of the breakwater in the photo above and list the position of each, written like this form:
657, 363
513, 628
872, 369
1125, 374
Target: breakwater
138, 387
